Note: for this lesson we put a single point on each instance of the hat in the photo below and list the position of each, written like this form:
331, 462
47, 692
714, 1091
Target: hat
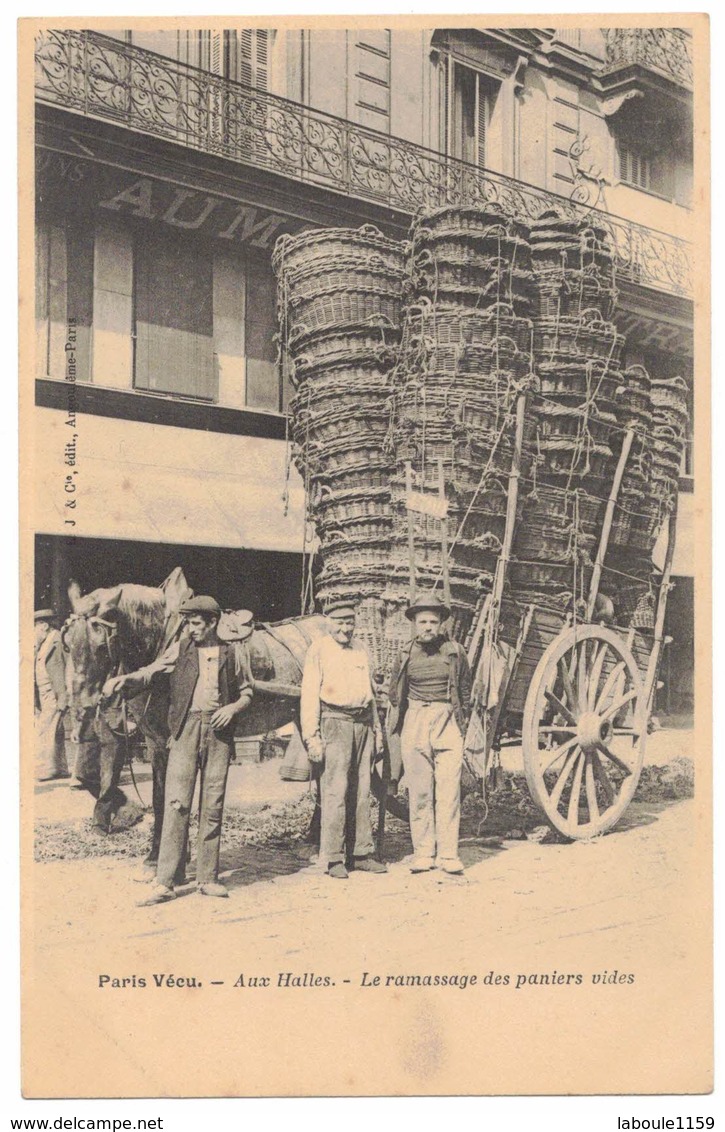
338, 605
201, 604
429, 602
44, 615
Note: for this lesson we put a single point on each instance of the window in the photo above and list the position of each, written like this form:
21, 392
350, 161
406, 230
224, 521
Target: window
654, 155
246, 56
471, 96
260, 321
635, 167
63, 298
173, 320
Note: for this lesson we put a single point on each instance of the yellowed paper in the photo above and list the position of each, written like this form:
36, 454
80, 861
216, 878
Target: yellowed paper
160, 162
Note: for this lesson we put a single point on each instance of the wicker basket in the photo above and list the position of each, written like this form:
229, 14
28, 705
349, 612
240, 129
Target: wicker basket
292, 252
364, 424
343, 338
356, 504
340, 394
352, 308
358, 476
340, 277
453, 325
351, 532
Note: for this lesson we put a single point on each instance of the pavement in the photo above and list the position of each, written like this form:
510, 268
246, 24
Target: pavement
256, 785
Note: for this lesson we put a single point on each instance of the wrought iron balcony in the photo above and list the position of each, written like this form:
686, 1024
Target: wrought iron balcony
668, 51
95, 75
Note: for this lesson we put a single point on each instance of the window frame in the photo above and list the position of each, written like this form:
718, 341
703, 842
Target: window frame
141, 240
452, 61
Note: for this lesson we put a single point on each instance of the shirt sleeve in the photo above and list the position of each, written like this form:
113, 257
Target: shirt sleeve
142, 677
464, 682
310, 694
244, 675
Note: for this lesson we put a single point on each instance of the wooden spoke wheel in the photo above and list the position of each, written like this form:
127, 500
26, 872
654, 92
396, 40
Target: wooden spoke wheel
584, 730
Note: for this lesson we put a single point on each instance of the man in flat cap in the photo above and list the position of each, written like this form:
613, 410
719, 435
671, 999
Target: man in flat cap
342, 732
430, 692
209, 687
51, 699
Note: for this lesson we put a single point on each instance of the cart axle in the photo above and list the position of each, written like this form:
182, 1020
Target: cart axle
593, 730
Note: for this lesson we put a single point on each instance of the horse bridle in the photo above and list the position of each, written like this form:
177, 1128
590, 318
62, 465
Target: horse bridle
111, 641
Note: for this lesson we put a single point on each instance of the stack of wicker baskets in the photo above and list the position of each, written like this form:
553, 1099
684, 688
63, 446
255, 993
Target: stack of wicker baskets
406, 374
576, 354
339, 295
466, 351
471, 257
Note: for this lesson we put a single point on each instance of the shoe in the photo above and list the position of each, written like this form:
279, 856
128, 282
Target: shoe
53, 777
338, 871
451, 865
213, 888
157, 894
422, 865
368, 865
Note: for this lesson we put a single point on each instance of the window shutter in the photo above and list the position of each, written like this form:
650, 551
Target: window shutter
254, 45
216, 53
173, 323
262, 58
246, 67
483, 114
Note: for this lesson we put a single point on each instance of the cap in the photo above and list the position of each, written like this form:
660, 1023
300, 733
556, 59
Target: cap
43, 615
200, 604
339, 606
430, 602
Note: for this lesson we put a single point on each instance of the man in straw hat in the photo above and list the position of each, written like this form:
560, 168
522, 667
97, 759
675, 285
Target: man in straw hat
51, 699
208, 690
430, 693
342, 732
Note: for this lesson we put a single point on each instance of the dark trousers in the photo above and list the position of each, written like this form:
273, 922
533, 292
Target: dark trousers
197, 750
345, 785
100, 755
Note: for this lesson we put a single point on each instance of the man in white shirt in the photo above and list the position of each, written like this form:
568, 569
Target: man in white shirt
342, 732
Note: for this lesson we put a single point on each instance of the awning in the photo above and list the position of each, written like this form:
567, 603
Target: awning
154, 483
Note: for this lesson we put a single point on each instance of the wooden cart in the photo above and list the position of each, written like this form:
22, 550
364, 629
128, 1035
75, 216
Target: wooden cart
575, 694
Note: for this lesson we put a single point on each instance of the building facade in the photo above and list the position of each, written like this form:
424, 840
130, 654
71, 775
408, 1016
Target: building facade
168, 163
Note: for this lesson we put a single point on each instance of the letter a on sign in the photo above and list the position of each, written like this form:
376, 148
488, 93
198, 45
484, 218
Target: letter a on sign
138, 194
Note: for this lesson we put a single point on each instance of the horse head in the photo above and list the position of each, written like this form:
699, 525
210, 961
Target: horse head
109, 631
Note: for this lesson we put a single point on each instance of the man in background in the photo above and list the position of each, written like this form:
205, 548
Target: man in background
51, 699
342, 732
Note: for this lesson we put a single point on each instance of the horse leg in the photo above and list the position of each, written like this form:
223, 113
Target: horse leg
110, 797
85, 747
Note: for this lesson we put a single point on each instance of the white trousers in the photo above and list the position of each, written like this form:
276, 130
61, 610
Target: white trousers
432, 750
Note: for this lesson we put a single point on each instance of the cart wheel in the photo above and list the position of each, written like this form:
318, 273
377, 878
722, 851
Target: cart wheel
584, 730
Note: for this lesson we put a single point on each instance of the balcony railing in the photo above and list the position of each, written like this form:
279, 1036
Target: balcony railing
95, 75
665, 50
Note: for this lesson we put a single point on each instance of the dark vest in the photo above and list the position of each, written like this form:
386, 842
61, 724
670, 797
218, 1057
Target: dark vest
184, 678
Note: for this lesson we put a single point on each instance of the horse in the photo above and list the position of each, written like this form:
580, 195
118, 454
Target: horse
125, 627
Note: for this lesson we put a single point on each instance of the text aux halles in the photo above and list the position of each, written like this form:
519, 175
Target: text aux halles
285, 979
